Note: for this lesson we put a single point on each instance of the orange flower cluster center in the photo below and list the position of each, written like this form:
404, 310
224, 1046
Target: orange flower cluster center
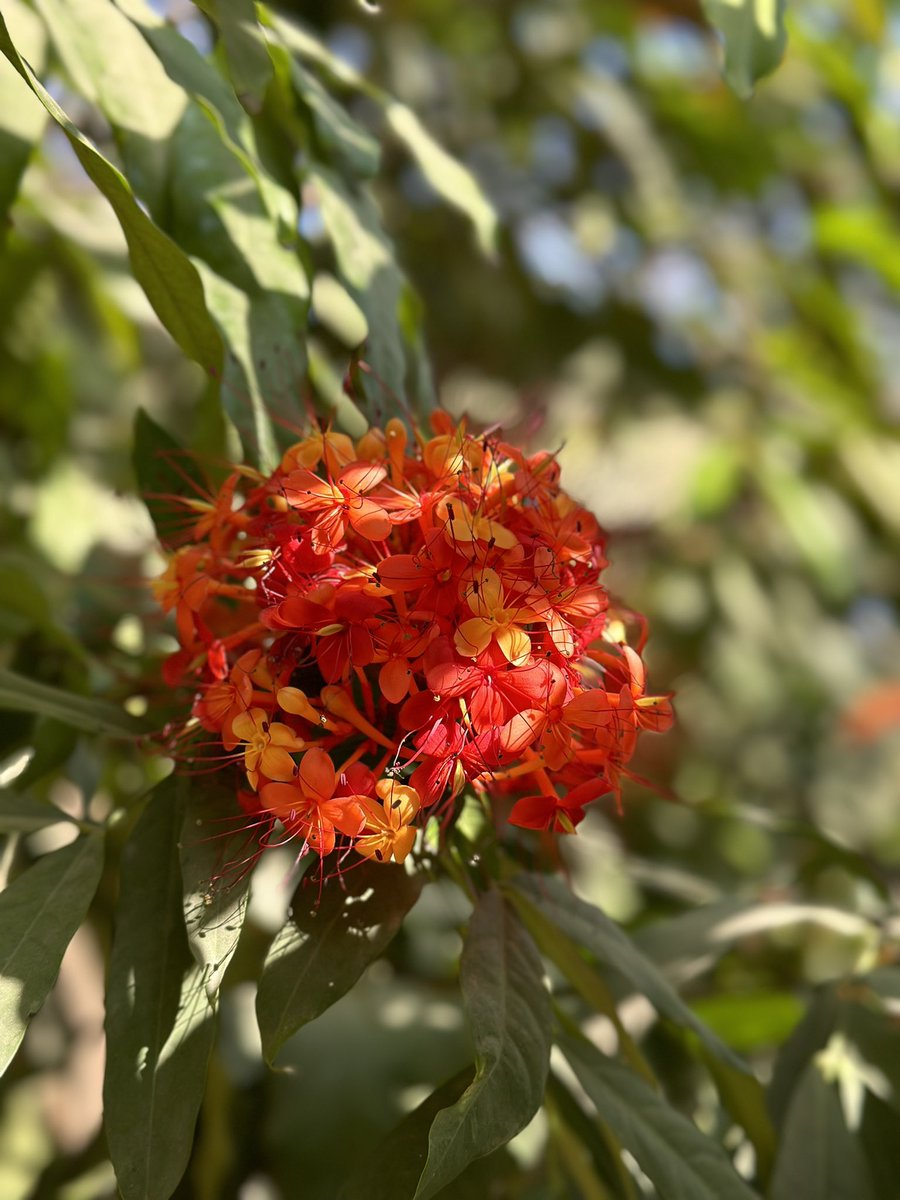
378, 624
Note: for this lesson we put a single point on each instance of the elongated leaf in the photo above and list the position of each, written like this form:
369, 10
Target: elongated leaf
821, 1019
22, 118
112, 65
164, 470
754, 37
587, 926
453, 181
248, 59
682, 1163
19, 694
367, 268
168, 278
39, 914
22, 814
450, 179
215, 871
818, 1156
347, 145
325, 947
393, 1171
508, 1009
159, 1025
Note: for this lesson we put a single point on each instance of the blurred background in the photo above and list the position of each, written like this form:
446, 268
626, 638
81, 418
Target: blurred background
695, 301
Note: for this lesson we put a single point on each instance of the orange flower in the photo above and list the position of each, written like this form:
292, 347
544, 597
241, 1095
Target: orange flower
308, 807
387, 832
493, 620
268, 746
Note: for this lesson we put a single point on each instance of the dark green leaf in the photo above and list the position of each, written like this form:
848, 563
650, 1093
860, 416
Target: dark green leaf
164, 471
19, 694
508, 1009
393, 1171
754, 37
682, 1163
325, 946
216, 857
808, 1037
39, 914
23, 814
818, 1156
159, 1025
745, 1099
167, 276
587, 926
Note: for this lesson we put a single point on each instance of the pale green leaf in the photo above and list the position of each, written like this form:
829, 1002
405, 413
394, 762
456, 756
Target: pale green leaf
168, 278
682, 1163
508, 1010
39, 914
326, 945
22, 117
111, 64
754, 37
159, 1025
245, 47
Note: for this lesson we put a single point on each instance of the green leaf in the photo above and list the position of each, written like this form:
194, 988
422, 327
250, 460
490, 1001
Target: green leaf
22, 814
169, 279
818, 1156
508, 1009
215, 870
326, 945
22, 118
682, 1163
20, 694
39, 914
587, 926
745, 1100
808, 1037
751, 1020
754, 37
394, 1169
350, 148
164, 471
159, 1025
367, 267
111, 64
450, 179
245, 47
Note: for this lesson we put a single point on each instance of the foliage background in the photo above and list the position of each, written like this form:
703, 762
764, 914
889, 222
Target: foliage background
694, 297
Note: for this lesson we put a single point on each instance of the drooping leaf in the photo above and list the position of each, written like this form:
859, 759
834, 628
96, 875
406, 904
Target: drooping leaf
587, 926
169, 279
20, 694
22, 119
159, 1025
348, 146
111, 64
39, 914
508, 1010
682, 1163
325, 947
367, 267
394, 1169
163, 470
453, 181
812, 1033
818, 1156
754, 38
744, 1098
246, 53
215, 869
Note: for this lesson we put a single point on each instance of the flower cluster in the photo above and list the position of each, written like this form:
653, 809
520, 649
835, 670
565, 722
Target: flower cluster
377, 625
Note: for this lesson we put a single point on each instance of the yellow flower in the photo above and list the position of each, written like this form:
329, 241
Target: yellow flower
387, 833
